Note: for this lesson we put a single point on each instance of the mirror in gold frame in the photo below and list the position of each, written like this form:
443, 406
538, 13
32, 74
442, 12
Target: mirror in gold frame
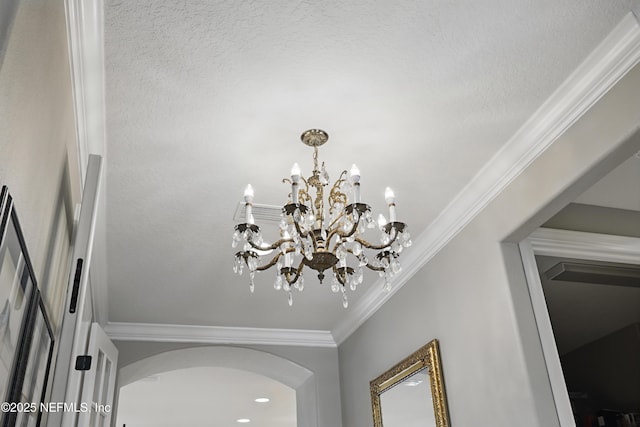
400, 396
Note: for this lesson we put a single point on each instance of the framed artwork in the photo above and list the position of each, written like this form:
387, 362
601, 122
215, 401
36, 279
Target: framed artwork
411, 393
26, 336
16, 291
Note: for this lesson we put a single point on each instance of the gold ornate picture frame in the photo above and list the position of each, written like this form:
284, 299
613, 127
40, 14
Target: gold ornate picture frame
426, 358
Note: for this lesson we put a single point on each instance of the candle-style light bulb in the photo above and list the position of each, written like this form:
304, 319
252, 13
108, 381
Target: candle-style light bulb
389, 195
248, 194
390, 198
295, 178
355, 173
295, 172
355, 181
248, 199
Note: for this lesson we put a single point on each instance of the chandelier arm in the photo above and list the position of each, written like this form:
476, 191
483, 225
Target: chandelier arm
270, 263
304, 236
287, 276
338, 276
299, 230
363, 242
273, 261
369, 266
336, 220
374, 268
376, 247
337, 231
275, 245
304, 193
335, 195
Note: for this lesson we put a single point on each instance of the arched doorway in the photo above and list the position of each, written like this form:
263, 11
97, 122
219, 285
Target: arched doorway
206, 396
299, 378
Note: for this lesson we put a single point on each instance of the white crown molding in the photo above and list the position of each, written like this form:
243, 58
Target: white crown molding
618, 53
581, 245
85, 34
217, 335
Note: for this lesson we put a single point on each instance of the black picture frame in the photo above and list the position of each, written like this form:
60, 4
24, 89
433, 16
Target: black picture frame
16, 297
39, 355
26, 335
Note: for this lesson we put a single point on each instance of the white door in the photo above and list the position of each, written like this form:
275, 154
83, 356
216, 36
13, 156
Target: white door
75, 378
98, 389
78, 313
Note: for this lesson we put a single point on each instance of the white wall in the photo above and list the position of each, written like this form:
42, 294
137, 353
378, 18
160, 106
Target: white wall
38, 160
323, 362
472, 296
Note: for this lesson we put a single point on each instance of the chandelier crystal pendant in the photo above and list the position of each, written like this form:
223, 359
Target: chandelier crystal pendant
327, 238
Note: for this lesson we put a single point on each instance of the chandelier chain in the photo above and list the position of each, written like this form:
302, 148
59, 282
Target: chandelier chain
315, 159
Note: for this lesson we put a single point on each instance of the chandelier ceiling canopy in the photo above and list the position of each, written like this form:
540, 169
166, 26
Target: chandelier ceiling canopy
327, 237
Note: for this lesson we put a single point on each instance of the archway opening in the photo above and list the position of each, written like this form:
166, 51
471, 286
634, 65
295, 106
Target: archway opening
205, 396
248, 361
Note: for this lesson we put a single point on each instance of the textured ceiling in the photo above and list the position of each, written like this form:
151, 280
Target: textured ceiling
203, 97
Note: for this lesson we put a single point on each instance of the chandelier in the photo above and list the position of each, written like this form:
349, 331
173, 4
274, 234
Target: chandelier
325, 237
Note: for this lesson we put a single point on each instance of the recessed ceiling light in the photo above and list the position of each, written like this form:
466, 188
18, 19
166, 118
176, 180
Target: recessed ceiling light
262, 399
243, 420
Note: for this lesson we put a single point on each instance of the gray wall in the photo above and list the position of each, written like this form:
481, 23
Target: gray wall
38, 160
473, 297
322, 361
